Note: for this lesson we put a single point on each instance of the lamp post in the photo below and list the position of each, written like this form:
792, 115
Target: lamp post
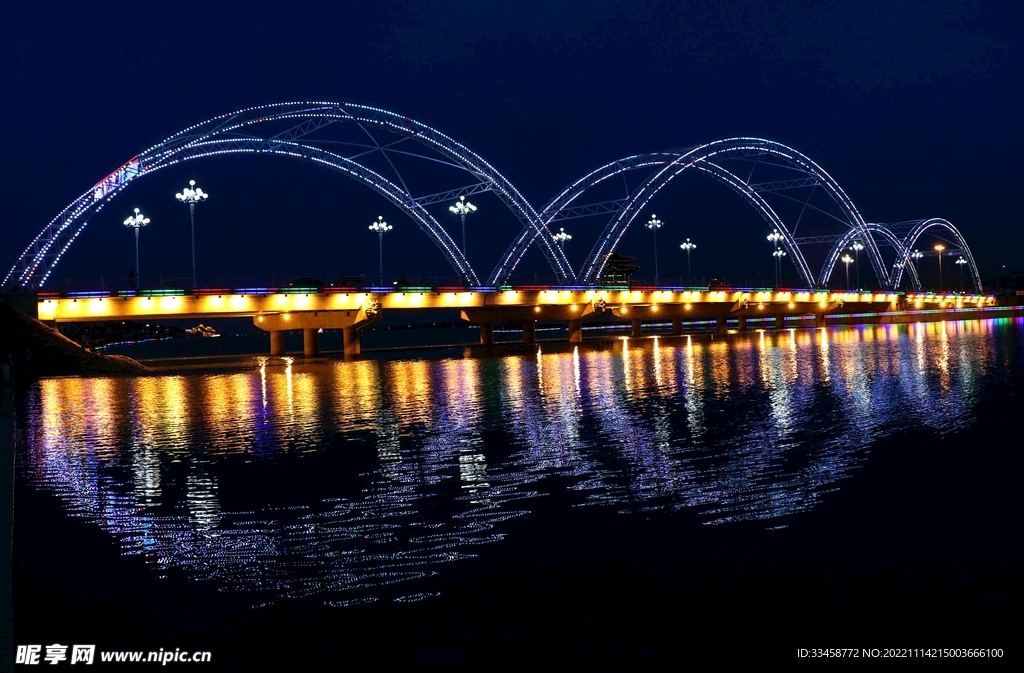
960, 262
778, 255
857, 247
380, 227
917, 254
688, 246
192, 195
774, 238
847, 260
136, 221
938, 249
654, 225
561, 237
462, 208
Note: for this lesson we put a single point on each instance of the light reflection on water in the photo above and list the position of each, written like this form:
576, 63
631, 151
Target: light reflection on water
447, 450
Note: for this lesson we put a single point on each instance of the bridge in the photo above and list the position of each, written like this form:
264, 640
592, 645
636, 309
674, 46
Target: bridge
813, 218
351, 309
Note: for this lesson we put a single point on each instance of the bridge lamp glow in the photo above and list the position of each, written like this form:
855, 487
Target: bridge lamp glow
847, 260
462, 208
380, 227
654, 224
960, 262
688, 246
136, 221
192, 195
857, 246
560, 238
938, 249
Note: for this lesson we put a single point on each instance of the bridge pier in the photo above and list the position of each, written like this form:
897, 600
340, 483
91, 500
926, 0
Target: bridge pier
486, 333
677, 325
741, 323
780, 321
310, 342
819, 320
637, 328
529, 331
311, 322
350, 340
575, 331
277, 342
722, 326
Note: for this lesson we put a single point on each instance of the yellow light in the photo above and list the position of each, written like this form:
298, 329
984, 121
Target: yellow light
536, 309
654, 308
792, 305
287, 317
261, 318
688, 307
574, 308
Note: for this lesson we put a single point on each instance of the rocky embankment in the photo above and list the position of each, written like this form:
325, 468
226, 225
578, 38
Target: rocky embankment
52, 353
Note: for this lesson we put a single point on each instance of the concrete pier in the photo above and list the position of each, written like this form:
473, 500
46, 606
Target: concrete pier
575, 331
311, 342
529, 331
277, 342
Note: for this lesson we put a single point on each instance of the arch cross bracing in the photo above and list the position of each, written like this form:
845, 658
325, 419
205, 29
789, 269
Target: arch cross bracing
232, 133
910, 240
706, 158
846, 240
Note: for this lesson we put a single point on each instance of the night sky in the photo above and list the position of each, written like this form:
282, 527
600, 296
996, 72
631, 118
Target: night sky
913, 107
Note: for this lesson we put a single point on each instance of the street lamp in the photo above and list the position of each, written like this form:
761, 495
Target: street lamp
654, 225
938, 249
462, 208
561, 237
960, 262
136, 221
380, 227
778, 255
688, 247
857, 247
192, 195
847, 260
774, 238
917, 254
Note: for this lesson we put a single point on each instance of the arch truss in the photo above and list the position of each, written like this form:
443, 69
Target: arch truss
716, 159
240, 132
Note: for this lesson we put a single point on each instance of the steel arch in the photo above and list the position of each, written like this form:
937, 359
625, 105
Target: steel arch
833, 256
911, 239
37, 262
674, 163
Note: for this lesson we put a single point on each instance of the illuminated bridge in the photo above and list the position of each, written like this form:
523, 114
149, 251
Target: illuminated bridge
815, 220
350, 309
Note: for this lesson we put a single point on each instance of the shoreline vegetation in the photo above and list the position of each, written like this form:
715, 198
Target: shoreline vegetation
52, 353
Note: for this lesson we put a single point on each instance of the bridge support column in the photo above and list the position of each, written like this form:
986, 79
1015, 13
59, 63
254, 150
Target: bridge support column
677, 325
638, 328
575, 331
310, 342
741, 323
780, 321
723, 325
819, 319
487, 333
350, 339
529, 331
277, 342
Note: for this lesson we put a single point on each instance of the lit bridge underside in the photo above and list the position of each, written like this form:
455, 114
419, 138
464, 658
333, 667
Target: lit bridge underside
350, 309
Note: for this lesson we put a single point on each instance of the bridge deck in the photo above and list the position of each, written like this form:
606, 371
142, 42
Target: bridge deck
245, 302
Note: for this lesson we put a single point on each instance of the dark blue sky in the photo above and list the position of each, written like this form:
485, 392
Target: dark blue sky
913, 107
